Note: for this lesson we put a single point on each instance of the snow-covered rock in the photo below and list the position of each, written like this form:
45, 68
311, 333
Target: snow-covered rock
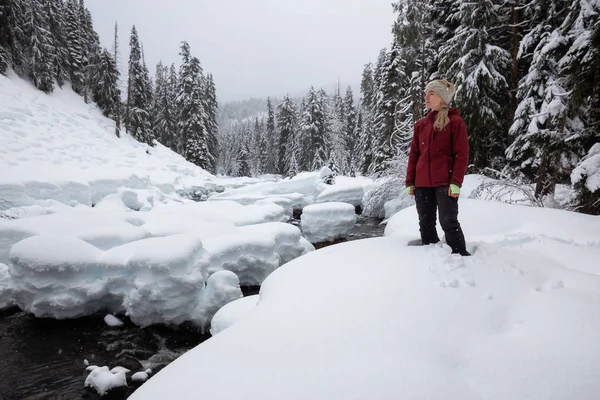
102, 380
327, 221
251, 257
6, 288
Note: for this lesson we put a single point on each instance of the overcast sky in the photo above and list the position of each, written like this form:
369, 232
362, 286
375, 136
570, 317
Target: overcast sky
255, 48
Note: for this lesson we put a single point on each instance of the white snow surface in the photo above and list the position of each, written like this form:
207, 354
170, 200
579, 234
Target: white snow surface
590, 169
376, 319
327, 221
303, 189
232, 313
57, 147
102, 379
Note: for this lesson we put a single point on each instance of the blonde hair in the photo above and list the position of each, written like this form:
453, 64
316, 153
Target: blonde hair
442, 120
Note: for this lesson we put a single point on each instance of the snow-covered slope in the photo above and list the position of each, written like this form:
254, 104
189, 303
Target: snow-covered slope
57, 147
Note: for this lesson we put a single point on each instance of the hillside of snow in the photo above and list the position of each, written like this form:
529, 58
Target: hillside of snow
57, 147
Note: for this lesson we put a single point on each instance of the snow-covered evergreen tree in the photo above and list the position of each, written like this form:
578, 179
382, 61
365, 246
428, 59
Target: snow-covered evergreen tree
350, 134
138, 122
5, 36
367, 103
18, 36
244, 161
41, 47
192, 131
274, 154
392, 79
547, 129
287, 137
56, 23
212, 125
414, 34
312, 133
105, 90
75, 46
473, 60
162, 118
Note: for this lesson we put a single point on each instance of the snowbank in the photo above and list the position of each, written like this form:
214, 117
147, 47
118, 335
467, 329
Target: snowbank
387, 321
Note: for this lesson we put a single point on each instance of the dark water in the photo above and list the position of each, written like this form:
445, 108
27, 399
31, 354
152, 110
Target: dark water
44, 358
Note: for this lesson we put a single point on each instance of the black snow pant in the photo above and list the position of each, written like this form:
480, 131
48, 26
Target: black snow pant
431, 199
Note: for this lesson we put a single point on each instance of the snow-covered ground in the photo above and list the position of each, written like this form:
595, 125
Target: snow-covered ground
375, 319
99, 223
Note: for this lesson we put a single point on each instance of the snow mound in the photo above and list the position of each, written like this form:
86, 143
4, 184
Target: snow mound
327, 221
155, 280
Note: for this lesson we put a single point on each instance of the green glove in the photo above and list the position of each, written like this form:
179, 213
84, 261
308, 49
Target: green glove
454, 189
410, 190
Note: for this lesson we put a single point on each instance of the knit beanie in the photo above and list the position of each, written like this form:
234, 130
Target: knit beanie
441, 88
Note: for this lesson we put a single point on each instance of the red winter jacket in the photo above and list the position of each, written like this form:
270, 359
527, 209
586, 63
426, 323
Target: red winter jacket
438, 158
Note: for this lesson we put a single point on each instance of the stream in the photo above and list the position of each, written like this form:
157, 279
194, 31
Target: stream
44, 358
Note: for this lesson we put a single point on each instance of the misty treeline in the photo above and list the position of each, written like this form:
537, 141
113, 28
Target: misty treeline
528, 86
53, 42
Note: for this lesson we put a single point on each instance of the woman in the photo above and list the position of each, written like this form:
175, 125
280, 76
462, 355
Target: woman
439, 154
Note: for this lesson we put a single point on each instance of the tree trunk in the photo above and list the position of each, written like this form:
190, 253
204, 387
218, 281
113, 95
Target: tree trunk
546, 179
516, 19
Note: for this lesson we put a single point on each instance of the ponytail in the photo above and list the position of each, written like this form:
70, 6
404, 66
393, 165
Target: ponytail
441, 120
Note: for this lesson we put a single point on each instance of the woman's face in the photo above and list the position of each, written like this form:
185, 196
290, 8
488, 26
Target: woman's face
433, 100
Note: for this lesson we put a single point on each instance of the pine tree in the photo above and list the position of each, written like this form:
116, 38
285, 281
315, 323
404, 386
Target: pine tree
5, 36
287, 139
137, 116
90, 46
76, 55
541, 126
172, 122
56, 22
392, 78
275, 157
312, 132
368, 101
244, 161
17, 34
41, 48
335, 131
212, 125
351, 132
414, 35
579, 68
105, 90
161, 109
478, 66
192, 131
118, 109
4, 60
